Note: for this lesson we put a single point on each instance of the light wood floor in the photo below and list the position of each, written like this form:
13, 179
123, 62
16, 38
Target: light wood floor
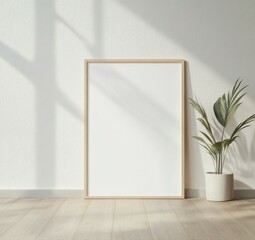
74, 218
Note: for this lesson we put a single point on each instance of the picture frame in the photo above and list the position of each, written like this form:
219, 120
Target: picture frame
124, 91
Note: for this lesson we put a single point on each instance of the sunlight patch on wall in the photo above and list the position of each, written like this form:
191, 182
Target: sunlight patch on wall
17, 27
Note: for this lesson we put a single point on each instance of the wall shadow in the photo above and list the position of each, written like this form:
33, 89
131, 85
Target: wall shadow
135, 101
41, 72
191, 145
213, 27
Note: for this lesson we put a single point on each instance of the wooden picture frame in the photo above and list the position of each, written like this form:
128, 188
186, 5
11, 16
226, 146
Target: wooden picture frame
105, 85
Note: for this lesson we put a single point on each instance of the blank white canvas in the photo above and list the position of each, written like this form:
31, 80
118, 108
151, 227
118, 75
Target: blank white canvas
134, 129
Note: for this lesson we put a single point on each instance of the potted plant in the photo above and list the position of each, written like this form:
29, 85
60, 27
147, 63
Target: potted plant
219, 185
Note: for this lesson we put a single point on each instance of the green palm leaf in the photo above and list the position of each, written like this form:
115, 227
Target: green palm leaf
242, 125
220, 108
207, 137
207, 146
203, 120
226, 106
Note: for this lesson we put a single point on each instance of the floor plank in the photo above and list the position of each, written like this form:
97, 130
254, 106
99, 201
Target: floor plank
5, 202
14, 212
164, 223
96, 223
195, 224
227, 227
130, 221
33, 221
65, 221
242, 211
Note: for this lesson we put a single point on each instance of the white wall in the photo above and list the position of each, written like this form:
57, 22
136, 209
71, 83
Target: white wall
42, 47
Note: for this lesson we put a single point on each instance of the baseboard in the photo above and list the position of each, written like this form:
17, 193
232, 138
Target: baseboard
43, 193
238, 193
194, 193
244, 193
69, 193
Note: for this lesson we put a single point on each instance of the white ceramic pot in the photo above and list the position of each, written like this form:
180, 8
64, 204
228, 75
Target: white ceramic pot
219, 187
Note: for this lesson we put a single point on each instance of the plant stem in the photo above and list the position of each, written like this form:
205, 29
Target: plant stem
224, 157
219, 164
214, 163
222, 134
220, 154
